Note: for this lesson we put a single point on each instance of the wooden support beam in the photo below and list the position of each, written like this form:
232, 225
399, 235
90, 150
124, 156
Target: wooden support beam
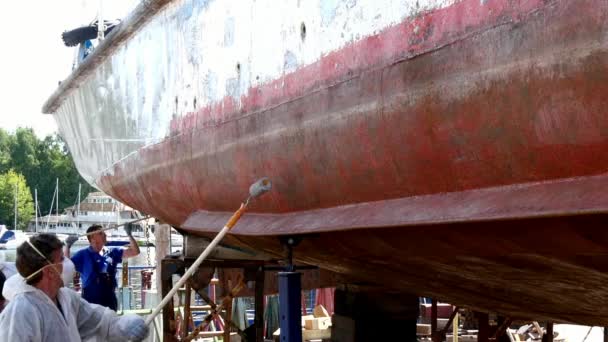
455, 326
483, 334
434, 320
196, 308
259, 305
187, 312
207, 299
169, 267
228, 320
447, 325
539, 330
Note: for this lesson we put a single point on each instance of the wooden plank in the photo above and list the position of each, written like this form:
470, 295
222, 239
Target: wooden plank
539, 330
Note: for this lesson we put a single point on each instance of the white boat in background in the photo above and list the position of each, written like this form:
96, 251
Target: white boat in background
11, 239
97, 208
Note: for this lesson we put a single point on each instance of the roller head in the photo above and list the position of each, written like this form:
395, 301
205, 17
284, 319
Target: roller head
258, 188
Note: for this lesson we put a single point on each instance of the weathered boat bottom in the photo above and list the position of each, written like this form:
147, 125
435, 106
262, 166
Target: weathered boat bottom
548, 264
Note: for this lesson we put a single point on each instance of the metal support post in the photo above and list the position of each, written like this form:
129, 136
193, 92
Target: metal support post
290, 293
259, 304
484, 327
549, 332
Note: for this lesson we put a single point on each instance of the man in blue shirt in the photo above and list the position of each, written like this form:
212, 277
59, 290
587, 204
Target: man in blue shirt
97, 267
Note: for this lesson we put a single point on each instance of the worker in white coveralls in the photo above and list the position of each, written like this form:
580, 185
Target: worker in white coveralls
7, 269
41, 309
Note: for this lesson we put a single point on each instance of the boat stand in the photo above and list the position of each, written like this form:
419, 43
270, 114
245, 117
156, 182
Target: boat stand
234, 274
176, 264
290, 296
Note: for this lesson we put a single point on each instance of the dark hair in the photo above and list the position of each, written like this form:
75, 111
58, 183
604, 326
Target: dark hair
29, 261
93, 228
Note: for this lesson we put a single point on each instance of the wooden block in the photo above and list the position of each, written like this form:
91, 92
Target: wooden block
317, 334
307, 334
423, 329
306, 318
320, 311
318, 323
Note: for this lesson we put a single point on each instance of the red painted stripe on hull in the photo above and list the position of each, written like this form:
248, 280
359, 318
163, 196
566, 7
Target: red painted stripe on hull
415, 36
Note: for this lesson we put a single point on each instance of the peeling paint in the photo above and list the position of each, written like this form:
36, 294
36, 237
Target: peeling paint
291, 62
229, 32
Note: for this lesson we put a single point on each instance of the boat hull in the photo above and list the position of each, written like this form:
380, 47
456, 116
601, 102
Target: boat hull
457, 152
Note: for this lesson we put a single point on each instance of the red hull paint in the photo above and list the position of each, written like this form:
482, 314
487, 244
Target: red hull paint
410, 130
529, 108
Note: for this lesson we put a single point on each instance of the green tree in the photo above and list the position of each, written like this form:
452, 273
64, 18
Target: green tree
13, 184
50, 157
6, 142
42, 163
65, 171
24, 158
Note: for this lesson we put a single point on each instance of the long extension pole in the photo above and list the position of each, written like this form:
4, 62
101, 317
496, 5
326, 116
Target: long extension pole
256, 189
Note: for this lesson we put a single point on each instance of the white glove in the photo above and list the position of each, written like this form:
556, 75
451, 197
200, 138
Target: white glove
133, 327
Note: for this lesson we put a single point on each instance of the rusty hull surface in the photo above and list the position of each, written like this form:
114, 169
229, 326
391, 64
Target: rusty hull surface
474, 172
549, 269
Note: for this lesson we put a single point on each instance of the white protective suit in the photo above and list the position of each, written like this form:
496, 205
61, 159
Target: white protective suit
31, 316
8, 268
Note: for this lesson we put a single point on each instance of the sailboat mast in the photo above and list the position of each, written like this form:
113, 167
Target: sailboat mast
57, 204
78, 207
36, 211
15, 224
48, 221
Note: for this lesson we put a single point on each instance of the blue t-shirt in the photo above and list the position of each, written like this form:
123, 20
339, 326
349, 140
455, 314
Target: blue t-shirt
98, 273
